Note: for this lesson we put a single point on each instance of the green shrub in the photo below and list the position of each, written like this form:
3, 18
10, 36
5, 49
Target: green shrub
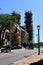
15, 43
1, 43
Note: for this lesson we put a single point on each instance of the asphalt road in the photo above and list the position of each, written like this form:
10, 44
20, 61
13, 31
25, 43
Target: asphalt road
8, 58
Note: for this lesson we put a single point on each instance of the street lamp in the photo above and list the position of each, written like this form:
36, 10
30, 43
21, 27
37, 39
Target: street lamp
38, 28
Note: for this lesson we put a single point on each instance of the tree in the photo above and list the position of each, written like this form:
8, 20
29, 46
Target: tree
17, 17
6, 20
29, 26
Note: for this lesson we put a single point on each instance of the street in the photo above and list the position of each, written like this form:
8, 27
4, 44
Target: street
8, 58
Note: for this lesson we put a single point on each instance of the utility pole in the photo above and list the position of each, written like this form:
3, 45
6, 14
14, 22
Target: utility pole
38, 27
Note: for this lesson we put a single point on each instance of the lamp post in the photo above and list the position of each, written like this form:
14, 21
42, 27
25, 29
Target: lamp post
38, 28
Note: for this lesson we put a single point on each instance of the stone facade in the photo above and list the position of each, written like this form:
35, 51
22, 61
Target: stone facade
22, 35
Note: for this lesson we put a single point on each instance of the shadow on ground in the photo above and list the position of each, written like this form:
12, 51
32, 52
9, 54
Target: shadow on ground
38, 63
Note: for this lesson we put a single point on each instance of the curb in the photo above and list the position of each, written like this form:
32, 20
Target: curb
20, 61
29, 60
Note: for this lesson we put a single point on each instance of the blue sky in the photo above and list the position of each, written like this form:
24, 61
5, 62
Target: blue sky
21, 6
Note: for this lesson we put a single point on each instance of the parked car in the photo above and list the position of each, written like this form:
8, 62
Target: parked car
19, 47
14, 47
3, 49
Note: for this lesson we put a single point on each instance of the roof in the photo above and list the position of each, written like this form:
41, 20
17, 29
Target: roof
6, 30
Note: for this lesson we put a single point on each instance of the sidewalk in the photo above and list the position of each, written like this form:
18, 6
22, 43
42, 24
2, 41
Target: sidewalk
29, 60
12, 51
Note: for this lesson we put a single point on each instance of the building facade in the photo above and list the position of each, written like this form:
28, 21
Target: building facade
21, 35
